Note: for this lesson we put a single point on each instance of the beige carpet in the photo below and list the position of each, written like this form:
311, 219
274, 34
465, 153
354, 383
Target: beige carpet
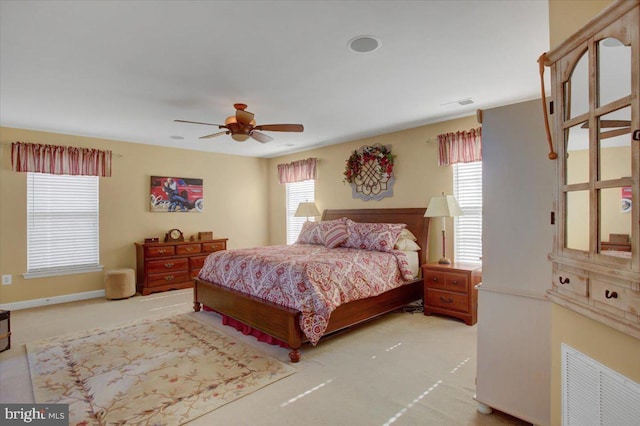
167, 370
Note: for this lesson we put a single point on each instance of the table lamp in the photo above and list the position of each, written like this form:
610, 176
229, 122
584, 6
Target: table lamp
443, 206
307, 209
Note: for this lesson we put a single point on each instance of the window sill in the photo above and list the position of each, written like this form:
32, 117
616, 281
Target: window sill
62, 271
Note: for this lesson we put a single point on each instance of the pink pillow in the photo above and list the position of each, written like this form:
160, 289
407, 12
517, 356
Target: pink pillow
336, 235
373, 236
314, 232
311, 233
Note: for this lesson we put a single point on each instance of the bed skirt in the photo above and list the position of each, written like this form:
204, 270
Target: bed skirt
248, 330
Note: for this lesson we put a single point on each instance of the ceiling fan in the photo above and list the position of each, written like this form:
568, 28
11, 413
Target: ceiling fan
241, 126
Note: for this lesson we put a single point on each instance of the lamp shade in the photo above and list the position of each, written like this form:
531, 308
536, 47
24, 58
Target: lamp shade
306, 209
443, 206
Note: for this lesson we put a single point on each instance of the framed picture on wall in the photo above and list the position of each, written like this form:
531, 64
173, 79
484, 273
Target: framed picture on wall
626, 199
174, 194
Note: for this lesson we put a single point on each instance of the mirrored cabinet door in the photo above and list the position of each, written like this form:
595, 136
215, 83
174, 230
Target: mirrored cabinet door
595, 91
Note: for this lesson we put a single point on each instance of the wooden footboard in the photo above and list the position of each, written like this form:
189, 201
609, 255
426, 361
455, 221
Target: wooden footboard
274, 320
283, 323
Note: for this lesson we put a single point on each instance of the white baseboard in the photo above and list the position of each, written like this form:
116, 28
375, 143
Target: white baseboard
34, 303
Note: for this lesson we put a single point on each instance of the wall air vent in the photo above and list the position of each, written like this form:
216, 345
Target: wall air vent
593, 394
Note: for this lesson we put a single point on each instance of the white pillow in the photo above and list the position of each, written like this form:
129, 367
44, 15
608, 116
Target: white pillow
406, 244
407, 234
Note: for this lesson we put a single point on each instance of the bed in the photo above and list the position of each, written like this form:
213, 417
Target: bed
283, 323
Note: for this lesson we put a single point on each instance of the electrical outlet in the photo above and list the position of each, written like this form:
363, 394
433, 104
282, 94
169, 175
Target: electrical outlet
6, 279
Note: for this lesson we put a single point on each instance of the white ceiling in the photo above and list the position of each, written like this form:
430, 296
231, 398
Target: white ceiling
125, 70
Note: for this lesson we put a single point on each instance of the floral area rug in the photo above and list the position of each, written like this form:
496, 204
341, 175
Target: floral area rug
162, 371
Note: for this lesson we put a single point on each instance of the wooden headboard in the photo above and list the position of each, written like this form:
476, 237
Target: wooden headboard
412, 217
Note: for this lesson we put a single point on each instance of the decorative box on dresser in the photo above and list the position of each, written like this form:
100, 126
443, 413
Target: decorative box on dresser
451, 290
172, 265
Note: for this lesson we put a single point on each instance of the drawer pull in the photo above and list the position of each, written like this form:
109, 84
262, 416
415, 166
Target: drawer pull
189, 248
434, 279
564, 281
168, 265
610, 294
455, 282
162, 251
168, 278
443, 300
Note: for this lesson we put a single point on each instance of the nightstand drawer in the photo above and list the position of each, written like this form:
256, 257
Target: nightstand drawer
447, 281
447, 300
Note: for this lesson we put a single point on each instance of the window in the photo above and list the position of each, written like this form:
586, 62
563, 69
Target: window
62, 224
297, 192
467, 188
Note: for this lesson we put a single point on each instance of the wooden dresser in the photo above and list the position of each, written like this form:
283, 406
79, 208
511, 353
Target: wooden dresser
173, 265
450, 290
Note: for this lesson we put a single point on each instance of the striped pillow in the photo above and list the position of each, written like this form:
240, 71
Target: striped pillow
336, 235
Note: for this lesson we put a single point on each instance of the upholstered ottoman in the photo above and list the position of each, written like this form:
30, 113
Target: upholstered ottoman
119, 283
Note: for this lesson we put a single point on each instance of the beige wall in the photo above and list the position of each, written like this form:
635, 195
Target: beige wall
568, 16
418, 177
236, 200
616, 350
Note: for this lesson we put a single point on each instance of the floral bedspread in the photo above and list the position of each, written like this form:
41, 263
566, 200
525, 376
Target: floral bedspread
310, 278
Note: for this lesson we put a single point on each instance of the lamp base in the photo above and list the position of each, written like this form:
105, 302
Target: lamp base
444, 261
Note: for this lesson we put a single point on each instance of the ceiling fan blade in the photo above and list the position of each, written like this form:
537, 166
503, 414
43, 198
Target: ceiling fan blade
281, 127
260, 137
244, 117
610, 123
197, 122
213, 135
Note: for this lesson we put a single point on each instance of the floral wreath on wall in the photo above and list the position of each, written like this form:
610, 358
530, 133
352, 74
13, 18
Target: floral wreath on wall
369, 170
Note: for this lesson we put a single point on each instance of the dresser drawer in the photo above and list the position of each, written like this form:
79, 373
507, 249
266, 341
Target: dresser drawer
168, 278
451, 281
188, 249
159, 251
447, 300
210, 247
167, 265
197, 262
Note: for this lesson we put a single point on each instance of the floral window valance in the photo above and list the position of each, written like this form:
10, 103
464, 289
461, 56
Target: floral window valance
298, 171
460, 147
60, 160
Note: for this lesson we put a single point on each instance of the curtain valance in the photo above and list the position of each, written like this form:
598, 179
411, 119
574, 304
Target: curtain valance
298, 171
60, 160
460, 147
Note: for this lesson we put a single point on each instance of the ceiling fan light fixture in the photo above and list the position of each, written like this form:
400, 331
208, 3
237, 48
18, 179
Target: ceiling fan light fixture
239, 137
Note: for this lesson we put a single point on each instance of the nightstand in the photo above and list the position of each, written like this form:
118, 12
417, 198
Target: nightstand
450, 290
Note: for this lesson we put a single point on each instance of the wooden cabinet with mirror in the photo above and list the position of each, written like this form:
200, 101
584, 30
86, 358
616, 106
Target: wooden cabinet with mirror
595, 81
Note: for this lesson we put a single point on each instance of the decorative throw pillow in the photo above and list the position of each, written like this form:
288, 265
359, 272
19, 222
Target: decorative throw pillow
335, 235
314, 232
311, 233
373, 236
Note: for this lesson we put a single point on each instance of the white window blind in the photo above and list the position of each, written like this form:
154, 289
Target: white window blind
62, 224
297, 192
467, 188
